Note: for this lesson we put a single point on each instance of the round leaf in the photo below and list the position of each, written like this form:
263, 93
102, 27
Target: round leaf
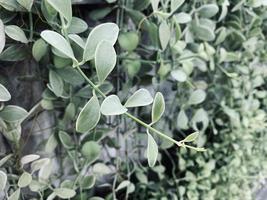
89, 116
105, 60
128, 41
91, 150
141, 97
179, 75
197, 97
112, 106
106, 31
4, 94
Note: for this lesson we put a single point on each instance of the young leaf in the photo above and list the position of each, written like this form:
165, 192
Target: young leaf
182, 120
3, 180
164, 34
158, 107
28, 159
27, 4
179, 75
112, 106
106, 31
197, 97
192, 137
63, 8
65, 139
2, 36
4, 94
58, 42
77, 25
39, 49
16, 33
208, 10
65, 193
128, 41
12, 113
152, 150
15, 195
141, 97
105, 59
89, 116
25, 180
91, 151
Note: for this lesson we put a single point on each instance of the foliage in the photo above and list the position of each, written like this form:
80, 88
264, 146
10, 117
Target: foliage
162, 80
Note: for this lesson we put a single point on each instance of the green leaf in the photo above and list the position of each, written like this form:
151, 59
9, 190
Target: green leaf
13, 113
10, 5
39, 49
25, 180
65, 193
105, 60
2, 36
77, 25
208, 10
38, 164
3, 180
4, 94
183, 18
88, 182
182, 120
164, 34
197, 97
203, 32
77, 39
112, 106
106, 31
91, 151
63, 8
192, 137
158, 107
155, 4
27, 4
141, 97
201, 116
123, 185
28, 159
14, 53
128, 41
5, 159
179, 75
89, 116
15, 195
175, 4
56, 83
16, 33
59, 42
66, 140
152, 150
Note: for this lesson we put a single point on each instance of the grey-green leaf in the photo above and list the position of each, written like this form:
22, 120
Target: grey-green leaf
13, 113
175, 4
59, 42
64, 8
4, 94
141, 97
179, 75
39, 49
183, 18
77, 25
16, 33
106, 31
203, 32
65, 193
56, 83
154, 4
158, 107
105, 60
208, 10
28, 159
192, 137
25, 180
182, 120
112, 106
77, 39
3, 180
89, 116
91, 151
2, 36
152, 150
27, 4
65, 139
164, 34
197, 97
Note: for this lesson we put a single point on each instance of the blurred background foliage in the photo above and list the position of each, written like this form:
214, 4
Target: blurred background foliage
207, 57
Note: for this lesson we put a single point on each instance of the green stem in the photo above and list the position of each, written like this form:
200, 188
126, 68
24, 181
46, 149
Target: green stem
31, 26
149, 127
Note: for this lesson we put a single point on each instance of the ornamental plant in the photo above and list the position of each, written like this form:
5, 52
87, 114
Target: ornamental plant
118, 100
